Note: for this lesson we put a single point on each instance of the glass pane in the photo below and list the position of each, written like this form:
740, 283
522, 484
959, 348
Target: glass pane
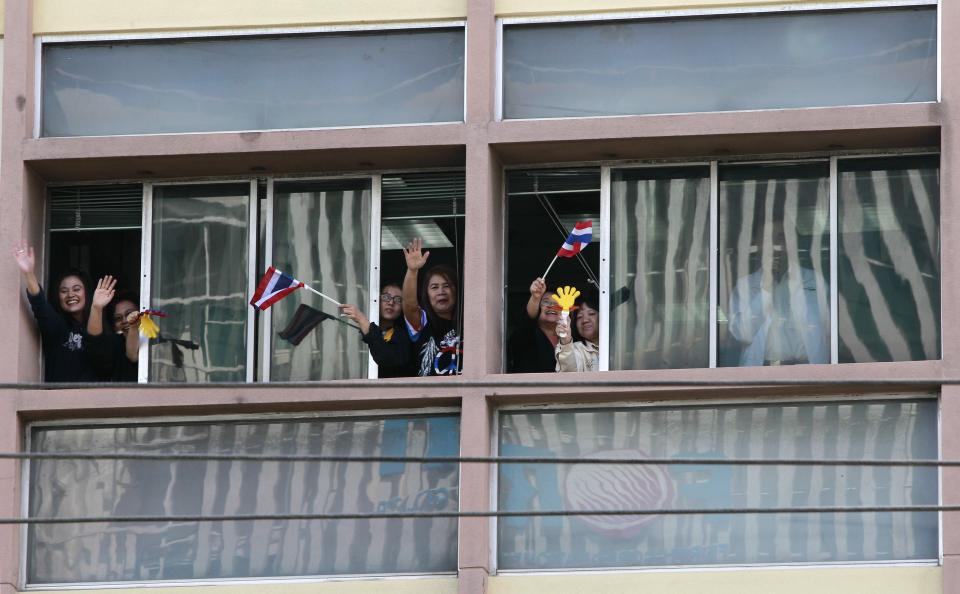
111, 552
806, 59
659, 268
247, 83
321, 236
889, 259
196, 230
859, 430
774, 288
543, 205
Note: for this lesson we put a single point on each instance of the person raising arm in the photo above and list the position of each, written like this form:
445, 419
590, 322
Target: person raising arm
431, 314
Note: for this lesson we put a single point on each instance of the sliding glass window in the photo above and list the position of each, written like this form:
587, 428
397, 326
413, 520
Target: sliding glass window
108, 552
321, 236
882, 430
200, 279
719, 63
210, 84
741, 264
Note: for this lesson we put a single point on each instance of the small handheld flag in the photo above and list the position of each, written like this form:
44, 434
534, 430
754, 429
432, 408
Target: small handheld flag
579, 238
274, 286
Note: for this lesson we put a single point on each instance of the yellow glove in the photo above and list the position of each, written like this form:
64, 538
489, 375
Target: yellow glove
565, 298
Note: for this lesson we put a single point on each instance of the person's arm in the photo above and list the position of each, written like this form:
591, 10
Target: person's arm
416, 258
51, 324
26, 262
131, 339
102, 296
564, 351
537, 288
354, 313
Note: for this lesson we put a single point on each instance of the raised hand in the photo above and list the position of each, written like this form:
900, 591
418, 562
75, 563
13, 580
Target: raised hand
354, 313
416, 258
104, 292
566, 297
537, 288
26, 260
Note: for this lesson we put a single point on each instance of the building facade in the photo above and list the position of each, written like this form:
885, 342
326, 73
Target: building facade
769, 186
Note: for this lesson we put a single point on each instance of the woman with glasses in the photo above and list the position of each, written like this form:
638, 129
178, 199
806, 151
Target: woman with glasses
389, 344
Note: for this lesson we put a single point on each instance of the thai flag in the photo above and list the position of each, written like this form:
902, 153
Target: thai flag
273, 287
577, 240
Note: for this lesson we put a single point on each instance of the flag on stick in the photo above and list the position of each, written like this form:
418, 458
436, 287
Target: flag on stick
274, 286
578, 239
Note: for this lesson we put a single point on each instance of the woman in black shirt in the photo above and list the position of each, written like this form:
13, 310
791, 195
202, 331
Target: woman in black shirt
61, 324
389, 343
434, 328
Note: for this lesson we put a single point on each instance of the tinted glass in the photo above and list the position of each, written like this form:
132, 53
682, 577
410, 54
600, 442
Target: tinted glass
111, 552
809, 59
321, 236
199, 280
889, 259
857, 430
206, 85
659, 268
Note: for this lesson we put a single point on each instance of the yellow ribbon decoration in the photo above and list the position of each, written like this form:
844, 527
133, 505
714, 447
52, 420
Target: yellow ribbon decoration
148, 327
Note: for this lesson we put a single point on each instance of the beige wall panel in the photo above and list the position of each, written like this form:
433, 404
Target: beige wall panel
835, 580
103, 16
446, 585
507, 8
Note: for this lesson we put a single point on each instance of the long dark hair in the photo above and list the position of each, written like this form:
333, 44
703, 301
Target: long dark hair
450, 275
53, 293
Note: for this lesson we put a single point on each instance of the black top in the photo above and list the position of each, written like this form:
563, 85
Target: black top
392, 356
436, 347
64, 356
108, 353
529, 350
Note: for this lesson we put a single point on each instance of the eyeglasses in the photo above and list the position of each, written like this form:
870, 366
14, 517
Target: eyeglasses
395, 299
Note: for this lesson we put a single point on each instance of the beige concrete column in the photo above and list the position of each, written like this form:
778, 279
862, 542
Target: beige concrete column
474, 534
950, 279
950, 185
21, 203
9, 493
483, 245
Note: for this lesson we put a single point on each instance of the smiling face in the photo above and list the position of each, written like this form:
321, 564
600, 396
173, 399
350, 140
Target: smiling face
120, 313
391, 303
549, 313
588, 323
442, 295
73, 296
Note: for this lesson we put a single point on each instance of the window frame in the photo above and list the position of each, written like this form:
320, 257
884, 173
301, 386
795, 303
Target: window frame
373, 275
330, 415
606, 167
686, 403
681, 13
53, 39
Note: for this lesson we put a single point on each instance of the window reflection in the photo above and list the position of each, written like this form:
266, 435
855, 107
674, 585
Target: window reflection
889, 259
774, 293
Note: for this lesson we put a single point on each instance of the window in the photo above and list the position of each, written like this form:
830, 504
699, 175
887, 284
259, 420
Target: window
892, 429
719, 63
738, 264
209, 84
60, 554
201, 278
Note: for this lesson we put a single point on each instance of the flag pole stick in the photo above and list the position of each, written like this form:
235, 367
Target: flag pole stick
330, 299
544, 277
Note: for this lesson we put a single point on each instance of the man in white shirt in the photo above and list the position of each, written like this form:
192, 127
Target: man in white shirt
780, 312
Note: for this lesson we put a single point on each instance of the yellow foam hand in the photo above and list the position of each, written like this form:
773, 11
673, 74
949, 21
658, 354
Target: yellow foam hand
148, 327
565, 297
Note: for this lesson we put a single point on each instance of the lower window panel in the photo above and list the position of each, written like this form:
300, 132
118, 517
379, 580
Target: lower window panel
892, 429
117, 552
